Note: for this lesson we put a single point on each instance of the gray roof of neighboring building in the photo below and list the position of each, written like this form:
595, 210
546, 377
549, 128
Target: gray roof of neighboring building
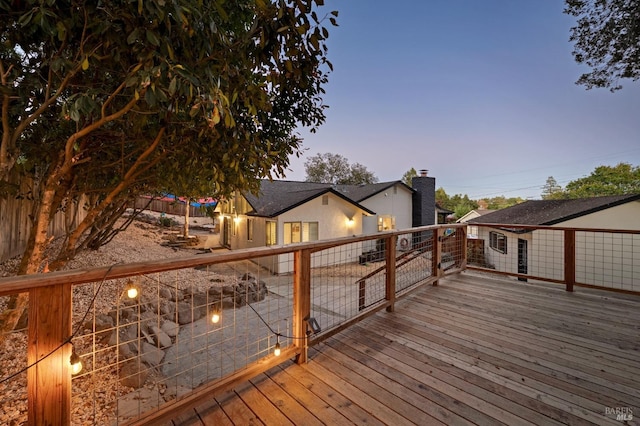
551, 212
279, 196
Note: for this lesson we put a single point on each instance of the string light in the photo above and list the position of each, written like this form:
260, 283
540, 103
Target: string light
75, 362
276, 350
132, 290
215, 315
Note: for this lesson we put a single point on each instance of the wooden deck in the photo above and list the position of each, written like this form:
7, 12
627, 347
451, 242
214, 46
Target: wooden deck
474, 350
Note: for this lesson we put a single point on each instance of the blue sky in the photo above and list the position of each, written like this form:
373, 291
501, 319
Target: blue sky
479, 92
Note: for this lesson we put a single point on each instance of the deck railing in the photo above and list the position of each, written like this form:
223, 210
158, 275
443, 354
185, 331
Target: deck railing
148, 357
588, 257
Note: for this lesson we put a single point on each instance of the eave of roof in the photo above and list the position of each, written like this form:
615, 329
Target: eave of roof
552, 212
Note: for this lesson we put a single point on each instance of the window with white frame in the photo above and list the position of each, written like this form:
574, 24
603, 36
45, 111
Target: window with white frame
297, 232
498, 242
386, 223
271, 238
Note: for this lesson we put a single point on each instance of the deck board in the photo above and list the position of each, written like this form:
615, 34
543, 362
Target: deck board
472, 350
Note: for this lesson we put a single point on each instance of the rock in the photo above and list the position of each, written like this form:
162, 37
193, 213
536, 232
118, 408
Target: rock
134, 403
185, 315
128, 350
162, 339
151, 355
170, 328
133, 374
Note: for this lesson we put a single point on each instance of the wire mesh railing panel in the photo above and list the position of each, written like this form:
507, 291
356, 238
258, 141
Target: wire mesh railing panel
610, 260
148, 340
541, 254
335, 275
13, 374
414, 261
535, 253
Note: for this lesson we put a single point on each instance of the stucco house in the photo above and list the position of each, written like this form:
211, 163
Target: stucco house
285, 212
599, 256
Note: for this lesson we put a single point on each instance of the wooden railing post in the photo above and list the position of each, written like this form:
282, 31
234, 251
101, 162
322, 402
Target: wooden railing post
569, 258
390, 280
436, 255
462, 247
49, 379
301, 301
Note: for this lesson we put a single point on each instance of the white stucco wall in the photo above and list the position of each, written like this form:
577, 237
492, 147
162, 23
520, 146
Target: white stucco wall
396, 201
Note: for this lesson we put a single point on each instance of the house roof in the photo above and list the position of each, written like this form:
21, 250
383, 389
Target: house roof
360, 193
279, 196
551, 212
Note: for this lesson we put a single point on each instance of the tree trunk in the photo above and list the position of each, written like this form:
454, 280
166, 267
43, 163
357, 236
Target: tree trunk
186, 219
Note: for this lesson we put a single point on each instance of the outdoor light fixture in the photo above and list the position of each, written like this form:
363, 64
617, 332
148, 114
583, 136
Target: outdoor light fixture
215, 315
350, 221
132, 290
75, 362
276, 350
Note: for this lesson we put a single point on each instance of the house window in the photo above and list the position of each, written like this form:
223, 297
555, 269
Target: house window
386, 223
297, 232
270, 232
325, 200
498, 242
249, 229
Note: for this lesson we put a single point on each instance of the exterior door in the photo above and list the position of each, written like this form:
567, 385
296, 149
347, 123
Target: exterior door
523, 267
226, 231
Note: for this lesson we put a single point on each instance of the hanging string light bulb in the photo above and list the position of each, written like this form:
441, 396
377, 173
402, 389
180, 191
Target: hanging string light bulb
131, 289
215, 315
75, 362
276, 350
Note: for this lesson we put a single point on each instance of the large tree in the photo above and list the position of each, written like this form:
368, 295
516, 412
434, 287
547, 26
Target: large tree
607, 39
551, 189
109, 99
336, 169
621, 179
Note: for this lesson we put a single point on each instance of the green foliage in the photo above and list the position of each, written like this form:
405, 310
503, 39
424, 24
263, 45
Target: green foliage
621, 179
117, 98
501, 202
607, 39
459, 204
334, 168
407, 178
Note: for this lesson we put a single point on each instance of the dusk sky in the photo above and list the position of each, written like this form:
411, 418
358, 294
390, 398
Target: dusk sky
480, 92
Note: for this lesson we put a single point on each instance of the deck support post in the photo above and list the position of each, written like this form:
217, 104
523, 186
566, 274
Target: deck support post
390, 276
436, 255
569, 258
49, 378
301, 302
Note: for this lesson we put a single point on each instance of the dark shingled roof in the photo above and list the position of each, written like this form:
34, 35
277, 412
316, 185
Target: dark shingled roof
551, 212
278, 196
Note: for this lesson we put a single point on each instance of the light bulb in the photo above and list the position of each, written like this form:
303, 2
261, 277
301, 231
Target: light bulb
276, 350
132, 293
76, 363
215, 317
132, 290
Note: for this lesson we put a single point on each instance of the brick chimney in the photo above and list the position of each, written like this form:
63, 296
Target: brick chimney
424, 199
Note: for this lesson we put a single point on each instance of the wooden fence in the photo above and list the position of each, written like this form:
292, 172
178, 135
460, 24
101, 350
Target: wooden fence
15, 221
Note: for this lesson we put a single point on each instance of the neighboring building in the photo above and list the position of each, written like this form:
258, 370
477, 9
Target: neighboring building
541, 252
472, 231
286, 212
